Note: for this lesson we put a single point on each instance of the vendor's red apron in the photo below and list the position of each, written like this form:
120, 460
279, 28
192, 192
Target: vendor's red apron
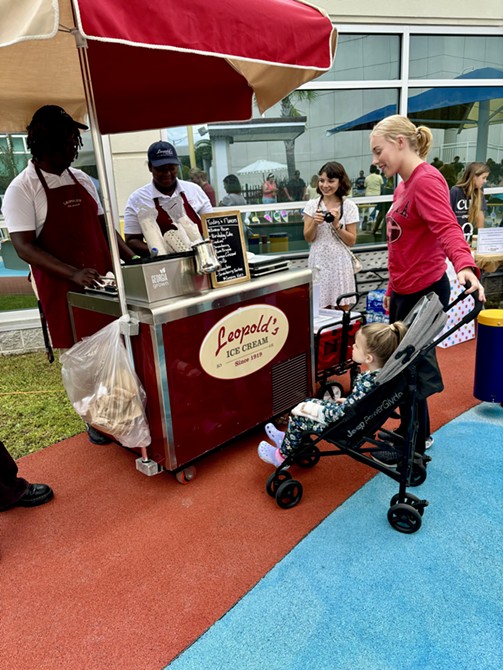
72, 233
164, 220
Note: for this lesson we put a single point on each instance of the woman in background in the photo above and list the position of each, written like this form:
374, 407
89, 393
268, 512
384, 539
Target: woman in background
269, 190
232, 187
312, 188
200, 177
467, 197
330, 228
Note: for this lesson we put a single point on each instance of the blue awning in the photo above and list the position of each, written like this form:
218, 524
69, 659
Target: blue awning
441, 107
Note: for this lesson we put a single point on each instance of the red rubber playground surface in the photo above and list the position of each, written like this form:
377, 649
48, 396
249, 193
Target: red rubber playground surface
122, 571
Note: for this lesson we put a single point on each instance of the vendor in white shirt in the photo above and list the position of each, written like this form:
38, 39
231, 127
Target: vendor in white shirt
56, 224
163, 163
56, 221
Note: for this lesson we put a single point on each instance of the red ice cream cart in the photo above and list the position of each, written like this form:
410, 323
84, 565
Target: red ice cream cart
214, 363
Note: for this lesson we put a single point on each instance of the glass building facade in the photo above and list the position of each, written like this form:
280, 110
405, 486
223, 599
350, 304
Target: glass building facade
451, 82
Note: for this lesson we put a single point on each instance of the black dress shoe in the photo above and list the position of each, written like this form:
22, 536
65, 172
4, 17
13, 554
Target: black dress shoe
96, 437
37, 494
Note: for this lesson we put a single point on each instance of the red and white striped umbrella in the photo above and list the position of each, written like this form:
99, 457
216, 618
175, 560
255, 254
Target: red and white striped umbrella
156, 63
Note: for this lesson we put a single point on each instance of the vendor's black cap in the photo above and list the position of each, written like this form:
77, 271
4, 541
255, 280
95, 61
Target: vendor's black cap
162, 153
55, 116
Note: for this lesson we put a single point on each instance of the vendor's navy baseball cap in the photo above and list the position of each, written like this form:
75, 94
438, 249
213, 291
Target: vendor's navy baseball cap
162, 153
53, 115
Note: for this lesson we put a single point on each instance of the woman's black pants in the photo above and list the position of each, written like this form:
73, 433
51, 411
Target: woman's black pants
400, 306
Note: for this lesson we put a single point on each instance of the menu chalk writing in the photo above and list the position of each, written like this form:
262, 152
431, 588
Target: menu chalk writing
226, 233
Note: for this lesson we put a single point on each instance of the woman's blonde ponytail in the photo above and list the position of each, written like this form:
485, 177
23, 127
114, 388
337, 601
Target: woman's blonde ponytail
424, 141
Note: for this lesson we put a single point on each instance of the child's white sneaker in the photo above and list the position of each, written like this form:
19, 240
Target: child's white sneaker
274, 434
270, 454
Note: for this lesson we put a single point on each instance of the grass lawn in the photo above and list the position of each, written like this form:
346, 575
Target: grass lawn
34, 409
12, 302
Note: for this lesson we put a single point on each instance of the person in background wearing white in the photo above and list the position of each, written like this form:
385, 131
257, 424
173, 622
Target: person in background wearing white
330, 223
56, 223
164, 164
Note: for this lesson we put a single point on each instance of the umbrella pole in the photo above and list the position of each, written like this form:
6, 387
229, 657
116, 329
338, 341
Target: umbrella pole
128, 328
102, 172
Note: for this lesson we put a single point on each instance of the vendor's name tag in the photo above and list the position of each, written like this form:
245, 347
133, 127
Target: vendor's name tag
243, 341
490, 241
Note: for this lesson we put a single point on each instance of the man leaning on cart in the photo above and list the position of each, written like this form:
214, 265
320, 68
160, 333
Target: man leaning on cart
56, 223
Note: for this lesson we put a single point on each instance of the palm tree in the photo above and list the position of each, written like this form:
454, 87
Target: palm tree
289, 110
204, 154
10, 163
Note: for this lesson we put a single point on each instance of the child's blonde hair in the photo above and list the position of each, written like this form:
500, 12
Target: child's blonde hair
474, 194
382, 339
419, 137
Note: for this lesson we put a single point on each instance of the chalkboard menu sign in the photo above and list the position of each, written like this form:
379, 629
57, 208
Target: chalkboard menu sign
226, 232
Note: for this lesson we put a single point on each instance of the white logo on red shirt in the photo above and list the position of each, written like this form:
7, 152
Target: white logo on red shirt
393, 228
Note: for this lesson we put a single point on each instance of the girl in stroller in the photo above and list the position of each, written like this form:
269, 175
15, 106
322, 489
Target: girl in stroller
374, 344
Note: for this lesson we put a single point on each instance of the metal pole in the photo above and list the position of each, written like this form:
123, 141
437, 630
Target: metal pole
192, 149
128, 328
102, 172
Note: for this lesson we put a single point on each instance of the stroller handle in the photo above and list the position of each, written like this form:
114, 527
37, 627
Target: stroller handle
477, 307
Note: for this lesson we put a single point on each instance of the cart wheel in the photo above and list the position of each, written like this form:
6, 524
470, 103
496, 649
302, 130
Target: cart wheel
289, 494
331, 391
275, 480
186, 476
411, 500
308, 458
418, 474
404, 518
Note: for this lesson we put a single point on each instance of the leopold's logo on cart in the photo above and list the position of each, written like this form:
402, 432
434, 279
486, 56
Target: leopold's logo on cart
243, 341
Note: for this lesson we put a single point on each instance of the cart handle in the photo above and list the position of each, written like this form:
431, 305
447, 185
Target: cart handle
348, 295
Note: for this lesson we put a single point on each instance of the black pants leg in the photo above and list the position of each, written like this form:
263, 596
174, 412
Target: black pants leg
400, 306
12, 487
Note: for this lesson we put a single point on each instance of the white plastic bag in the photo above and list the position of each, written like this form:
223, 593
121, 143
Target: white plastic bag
147, 216
177, 240
176, 210
104, 388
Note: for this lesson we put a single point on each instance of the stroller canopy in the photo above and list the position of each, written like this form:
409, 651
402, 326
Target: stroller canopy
425, 322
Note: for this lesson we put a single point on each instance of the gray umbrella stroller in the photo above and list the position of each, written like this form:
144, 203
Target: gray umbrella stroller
359, 432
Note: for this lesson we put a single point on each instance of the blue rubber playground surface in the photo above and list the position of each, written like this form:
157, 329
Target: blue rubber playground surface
357, 595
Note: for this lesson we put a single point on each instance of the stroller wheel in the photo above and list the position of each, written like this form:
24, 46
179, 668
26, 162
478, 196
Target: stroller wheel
330, 391
289, 494
275, 480
418, 474
404, 518
411, 500
308, 457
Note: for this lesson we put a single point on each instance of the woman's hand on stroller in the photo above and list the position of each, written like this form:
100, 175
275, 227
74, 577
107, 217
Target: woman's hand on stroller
467, 275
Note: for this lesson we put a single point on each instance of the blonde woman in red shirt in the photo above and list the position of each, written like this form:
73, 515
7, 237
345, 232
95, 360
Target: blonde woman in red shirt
421, 232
